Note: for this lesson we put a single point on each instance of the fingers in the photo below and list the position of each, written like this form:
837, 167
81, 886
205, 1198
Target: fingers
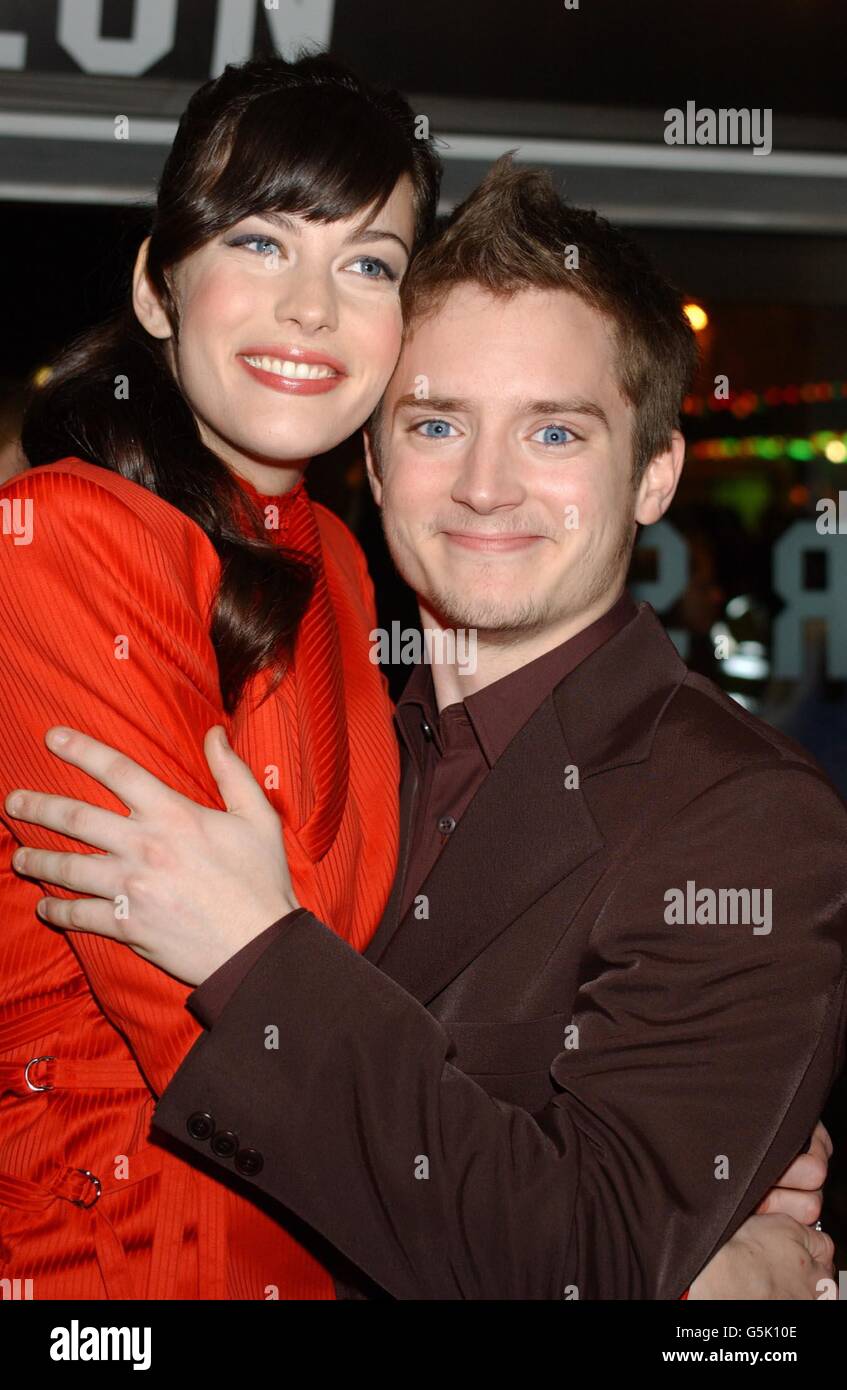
81, 873
91, 824
131, 784
820, 1246
83, 914
807, 1172
800, 1204
821, 1142
238, 787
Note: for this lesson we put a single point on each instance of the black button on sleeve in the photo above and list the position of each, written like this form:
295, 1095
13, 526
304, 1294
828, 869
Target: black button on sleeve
225, 1143
200, 1125
249, 1162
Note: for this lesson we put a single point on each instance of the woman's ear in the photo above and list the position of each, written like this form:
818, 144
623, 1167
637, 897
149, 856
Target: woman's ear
145, 301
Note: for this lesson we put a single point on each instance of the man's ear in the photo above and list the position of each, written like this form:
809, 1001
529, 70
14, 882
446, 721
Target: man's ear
145, 301
371, 468
659, 482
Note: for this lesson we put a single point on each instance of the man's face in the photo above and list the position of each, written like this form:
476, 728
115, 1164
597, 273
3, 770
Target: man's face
506, 488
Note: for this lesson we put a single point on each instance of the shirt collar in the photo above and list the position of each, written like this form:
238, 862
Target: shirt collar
498, 712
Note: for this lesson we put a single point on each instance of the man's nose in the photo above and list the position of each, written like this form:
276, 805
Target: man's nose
488, 478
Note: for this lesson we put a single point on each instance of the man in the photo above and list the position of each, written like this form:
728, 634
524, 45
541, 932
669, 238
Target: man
606, 1002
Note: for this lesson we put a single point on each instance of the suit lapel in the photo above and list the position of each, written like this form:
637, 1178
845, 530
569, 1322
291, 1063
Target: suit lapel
523, 831
526, 829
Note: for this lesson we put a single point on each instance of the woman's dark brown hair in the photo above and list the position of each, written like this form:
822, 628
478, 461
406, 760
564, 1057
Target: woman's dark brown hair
304, 137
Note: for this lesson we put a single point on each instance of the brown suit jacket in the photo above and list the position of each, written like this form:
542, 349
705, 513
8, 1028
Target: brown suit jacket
545, 1089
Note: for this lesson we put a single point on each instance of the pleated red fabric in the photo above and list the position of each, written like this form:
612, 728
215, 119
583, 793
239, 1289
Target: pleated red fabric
105, 600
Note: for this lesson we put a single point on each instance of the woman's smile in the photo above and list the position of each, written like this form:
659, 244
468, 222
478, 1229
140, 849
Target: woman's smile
293, 370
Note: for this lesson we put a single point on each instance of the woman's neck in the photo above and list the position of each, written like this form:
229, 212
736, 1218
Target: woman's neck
269, 477
269, 480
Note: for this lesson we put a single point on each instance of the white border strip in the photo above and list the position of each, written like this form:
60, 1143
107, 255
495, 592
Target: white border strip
601, 153
77, 193
620, 155
44, 126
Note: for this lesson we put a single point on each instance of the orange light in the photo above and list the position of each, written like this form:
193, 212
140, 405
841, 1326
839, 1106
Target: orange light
697, 316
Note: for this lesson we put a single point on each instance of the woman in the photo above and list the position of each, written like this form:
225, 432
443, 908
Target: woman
170, 574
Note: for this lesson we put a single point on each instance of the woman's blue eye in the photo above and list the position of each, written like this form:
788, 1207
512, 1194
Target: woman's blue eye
375, 268
434, 429
555, 434
254, 239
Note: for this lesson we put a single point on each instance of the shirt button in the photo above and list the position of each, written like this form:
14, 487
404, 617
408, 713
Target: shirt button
446, 825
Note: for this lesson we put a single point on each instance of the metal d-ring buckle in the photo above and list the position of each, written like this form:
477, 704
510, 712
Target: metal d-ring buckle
76, 1201
33, 1062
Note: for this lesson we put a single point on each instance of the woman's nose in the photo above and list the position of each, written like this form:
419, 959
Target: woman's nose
309, 301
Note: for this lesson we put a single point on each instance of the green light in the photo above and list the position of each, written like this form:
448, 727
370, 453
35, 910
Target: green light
800, 449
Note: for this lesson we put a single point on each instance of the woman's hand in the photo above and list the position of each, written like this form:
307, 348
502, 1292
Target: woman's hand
777, 1253
769, 1257
183, 885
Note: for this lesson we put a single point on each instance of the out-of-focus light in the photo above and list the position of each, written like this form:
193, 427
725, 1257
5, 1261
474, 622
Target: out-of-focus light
800, 449
738, 606
835, 451
41, 376
747, 663
798, 495
697, 316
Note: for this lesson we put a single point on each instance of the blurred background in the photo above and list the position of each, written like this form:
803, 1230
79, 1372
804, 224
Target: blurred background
749, 571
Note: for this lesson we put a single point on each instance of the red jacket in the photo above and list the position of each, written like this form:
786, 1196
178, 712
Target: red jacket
104, 626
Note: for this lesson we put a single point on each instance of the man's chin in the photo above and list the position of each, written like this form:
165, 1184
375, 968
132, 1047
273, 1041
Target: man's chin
491, 619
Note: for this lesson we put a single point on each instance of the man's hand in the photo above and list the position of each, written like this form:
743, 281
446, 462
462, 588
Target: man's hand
776, 1255
183, 885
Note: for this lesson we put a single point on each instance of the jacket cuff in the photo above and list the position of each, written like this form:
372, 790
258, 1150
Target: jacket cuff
208, 1001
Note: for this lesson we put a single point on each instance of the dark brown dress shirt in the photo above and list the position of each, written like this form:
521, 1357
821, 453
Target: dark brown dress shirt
454, 752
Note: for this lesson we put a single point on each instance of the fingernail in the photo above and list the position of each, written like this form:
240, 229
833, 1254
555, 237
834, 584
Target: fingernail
14, 803
56, 737
19, 859
224, 739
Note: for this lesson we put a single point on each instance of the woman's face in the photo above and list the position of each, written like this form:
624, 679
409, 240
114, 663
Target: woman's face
289, 330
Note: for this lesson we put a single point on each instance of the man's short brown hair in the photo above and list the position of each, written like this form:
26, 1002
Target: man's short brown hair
514, 233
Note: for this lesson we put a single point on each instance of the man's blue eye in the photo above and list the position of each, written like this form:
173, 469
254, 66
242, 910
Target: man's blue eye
434, 429
555, 434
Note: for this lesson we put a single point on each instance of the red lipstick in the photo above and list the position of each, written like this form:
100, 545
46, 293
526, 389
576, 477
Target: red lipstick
298, 386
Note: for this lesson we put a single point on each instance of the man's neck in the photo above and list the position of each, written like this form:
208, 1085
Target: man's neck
496, 656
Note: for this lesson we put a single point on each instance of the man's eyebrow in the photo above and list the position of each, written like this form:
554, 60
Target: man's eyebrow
445, 403
572, 405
